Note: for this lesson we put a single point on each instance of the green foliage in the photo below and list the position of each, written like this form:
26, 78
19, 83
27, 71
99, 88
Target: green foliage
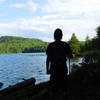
10, 44
97, 39
92, 56
88, 44
75, 46
98, 32
92, 49
82, 46
87, 41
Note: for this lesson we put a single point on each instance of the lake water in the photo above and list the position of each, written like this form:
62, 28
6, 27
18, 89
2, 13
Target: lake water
15, 67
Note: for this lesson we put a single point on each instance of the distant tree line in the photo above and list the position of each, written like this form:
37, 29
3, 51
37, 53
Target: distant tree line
87, 47
92, 48
94, 43
10, 44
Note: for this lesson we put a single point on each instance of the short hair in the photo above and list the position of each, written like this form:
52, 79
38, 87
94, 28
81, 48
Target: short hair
58, 34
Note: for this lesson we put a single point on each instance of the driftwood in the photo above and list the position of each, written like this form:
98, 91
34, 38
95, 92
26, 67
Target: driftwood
26, 88
1, 84
18, 86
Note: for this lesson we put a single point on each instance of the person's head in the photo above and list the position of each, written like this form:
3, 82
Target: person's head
58, 34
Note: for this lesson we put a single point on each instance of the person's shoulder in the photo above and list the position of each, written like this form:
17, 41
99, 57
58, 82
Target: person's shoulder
52, 43
49, 48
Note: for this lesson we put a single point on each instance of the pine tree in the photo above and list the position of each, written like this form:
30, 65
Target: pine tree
98, 32
98, 37
87, 43
75, 46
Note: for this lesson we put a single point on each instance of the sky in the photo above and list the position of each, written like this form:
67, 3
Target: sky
39, 18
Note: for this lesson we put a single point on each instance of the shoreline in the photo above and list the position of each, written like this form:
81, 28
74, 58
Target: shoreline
82, 84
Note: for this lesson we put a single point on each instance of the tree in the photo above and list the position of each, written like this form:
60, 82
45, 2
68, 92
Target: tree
97, 42
10, 44
75, 46
98, 32
87, 43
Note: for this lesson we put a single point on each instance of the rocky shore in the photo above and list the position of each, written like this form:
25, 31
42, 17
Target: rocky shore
1, 84
81, 85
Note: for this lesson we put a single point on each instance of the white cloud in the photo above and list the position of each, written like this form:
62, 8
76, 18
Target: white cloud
81, 17
50, 16
74, 9
82, 28
29, 5
17, 5
32, 6
74, 6
2, 1
34, 24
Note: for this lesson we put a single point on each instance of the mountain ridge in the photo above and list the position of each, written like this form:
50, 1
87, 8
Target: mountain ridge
13, 44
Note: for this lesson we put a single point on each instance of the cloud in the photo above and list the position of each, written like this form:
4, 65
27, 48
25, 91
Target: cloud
81, 17
50, 16
17, 5
33, 24
34, 27
32, 6
72, 16
42, 25
29, 5
74, 9
2, 1
74, 6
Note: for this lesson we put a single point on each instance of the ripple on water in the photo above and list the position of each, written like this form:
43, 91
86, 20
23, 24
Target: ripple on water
15, 67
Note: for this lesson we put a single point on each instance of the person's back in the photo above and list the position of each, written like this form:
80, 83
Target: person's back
57, 52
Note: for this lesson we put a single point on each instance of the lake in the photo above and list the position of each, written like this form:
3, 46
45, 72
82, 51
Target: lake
15, 67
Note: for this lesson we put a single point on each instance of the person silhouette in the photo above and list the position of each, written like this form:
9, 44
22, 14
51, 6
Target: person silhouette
57, 53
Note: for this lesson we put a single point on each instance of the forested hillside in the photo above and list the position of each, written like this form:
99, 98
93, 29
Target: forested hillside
11, 44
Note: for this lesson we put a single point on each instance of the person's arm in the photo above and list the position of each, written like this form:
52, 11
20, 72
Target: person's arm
69, 53
47, 65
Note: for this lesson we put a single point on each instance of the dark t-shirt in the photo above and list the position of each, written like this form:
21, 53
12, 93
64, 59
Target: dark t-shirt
57, 52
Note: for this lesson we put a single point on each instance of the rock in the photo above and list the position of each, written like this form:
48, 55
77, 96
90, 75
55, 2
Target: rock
21, 90
18, 86
1, 84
